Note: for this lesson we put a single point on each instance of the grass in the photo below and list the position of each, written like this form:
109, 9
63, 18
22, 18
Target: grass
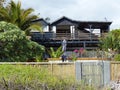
26, 77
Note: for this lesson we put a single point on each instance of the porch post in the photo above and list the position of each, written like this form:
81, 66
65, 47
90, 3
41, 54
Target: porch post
54, 29
72, 31
91, 30
84, 44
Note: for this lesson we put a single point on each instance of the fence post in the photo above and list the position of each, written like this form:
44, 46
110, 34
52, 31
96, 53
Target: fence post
78, 70
106, 72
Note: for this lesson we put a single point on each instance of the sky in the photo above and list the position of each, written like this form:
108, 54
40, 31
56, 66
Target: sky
83, 10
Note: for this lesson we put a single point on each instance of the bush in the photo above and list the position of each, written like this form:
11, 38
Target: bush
15, 46
117, 57
55, 53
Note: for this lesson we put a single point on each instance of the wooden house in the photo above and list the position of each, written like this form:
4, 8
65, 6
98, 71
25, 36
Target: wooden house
79, 34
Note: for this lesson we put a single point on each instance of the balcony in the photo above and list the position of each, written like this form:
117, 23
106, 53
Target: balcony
67, 36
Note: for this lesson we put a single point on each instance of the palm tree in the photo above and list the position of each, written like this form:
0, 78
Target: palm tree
21, 17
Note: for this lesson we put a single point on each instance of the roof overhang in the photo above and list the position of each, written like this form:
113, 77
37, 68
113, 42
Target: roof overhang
94, 24
82, 24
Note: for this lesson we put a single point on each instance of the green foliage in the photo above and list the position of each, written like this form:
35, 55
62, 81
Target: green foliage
15, 46
111, 41
7, 27
21, 77
74, 57
55, 53
39, 58
23, 18
117, 57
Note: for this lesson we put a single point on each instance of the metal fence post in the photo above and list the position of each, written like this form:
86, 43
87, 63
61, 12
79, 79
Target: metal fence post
106, 72
78, 70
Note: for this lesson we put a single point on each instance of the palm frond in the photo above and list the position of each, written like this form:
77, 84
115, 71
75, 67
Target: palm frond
13, 13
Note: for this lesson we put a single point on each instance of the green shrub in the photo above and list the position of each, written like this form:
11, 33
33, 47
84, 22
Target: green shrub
55, 53
26, 77
15, 46
117, 57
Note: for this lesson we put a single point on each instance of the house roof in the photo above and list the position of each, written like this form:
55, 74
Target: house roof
82, 24
63, 21
42, 21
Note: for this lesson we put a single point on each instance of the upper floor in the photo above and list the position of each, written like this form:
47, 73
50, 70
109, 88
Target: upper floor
65, 28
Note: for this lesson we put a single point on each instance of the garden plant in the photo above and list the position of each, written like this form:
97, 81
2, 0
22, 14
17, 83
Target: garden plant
20, 77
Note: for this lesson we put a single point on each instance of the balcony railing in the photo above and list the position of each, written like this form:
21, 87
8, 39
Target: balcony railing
68, 36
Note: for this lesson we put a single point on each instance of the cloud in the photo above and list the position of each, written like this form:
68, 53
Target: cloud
86, 10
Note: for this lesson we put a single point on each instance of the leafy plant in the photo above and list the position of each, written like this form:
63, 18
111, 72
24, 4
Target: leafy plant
55, 53
15, 46
21, 77
74, 57
111, 42
13, 13
117, 57
39, 58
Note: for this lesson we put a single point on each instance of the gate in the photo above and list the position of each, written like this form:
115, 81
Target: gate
95, 73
